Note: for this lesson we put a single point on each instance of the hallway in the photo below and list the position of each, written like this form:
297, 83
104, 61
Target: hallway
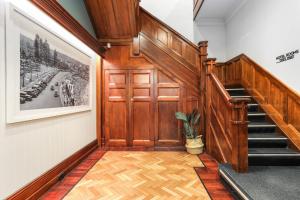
142, 175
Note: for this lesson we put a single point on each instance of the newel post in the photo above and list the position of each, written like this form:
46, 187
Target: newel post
202, 79
239, 134
210, 63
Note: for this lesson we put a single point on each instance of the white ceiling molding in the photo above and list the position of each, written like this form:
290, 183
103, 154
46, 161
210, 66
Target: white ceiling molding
235, 10
210, 22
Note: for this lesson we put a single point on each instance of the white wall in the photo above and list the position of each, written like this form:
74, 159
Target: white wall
214, 32
178, 14
29, 149
264, 30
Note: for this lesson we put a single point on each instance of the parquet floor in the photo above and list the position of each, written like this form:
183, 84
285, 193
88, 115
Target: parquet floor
141, 175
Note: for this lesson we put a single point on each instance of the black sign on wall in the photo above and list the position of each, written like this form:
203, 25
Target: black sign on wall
287, 56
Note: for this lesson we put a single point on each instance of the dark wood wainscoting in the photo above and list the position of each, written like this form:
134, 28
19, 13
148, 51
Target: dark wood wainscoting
129, 108
140, 100
140, 106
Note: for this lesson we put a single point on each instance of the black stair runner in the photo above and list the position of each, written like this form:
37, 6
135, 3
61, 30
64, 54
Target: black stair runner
267, 146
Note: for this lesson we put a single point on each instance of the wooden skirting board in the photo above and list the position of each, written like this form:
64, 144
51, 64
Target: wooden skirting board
40, 185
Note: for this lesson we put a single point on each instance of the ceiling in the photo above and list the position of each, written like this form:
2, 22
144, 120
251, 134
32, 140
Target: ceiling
218, 9
114, 20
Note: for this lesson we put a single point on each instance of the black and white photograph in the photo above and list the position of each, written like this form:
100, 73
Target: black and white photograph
49, 78
53, 70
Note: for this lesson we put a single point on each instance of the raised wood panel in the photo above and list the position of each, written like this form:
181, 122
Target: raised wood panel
168, 129
171, 41
261, 85
162, 36
176, 45
114, 20
278, 99
168, 92
294, 113
142, 119
116, 111
117, 122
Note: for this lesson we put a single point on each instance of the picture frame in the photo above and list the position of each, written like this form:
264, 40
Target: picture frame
46, 75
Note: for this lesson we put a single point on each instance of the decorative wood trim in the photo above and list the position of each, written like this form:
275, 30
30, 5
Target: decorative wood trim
197, 6
40, 185
98, 99
59, 14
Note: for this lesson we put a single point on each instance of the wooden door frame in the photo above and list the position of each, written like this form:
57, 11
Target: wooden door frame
99, 94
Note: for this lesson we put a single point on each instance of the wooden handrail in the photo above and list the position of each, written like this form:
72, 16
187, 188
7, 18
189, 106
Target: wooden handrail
224, 94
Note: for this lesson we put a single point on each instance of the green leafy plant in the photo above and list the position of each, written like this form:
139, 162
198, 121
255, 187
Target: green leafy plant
191, 123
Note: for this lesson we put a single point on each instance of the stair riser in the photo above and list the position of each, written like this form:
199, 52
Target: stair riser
267, 143
237, 93
253, 109
274, 161
261, 129
256, 118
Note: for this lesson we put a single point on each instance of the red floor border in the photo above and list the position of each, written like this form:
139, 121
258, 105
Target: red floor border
62, 188
211, 180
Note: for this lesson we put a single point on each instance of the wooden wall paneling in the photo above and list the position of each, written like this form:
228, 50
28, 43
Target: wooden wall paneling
59, 14
141, 105
184, 74
170, 40
116, 107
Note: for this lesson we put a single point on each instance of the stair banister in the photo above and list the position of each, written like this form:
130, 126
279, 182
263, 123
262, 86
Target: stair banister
202, 71
226, 122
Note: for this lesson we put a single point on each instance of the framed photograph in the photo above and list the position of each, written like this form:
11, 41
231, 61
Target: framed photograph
46, 75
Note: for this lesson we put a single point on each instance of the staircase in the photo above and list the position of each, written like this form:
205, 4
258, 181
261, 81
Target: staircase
266, 145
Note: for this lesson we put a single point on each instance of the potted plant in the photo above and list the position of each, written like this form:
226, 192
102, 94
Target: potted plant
191, 121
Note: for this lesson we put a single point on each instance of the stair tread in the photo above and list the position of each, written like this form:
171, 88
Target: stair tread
252, 104
257, 113
235, 89
240, 96
261, 123
266, 135
266, 151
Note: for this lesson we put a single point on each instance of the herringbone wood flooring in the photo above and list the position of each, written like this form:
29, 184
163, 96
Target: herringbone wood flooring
141, 175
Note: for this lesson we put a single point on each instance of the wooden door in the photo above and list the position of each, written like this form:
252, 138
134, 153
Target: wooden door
129, 119
116, 107
141, 108
169, 132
